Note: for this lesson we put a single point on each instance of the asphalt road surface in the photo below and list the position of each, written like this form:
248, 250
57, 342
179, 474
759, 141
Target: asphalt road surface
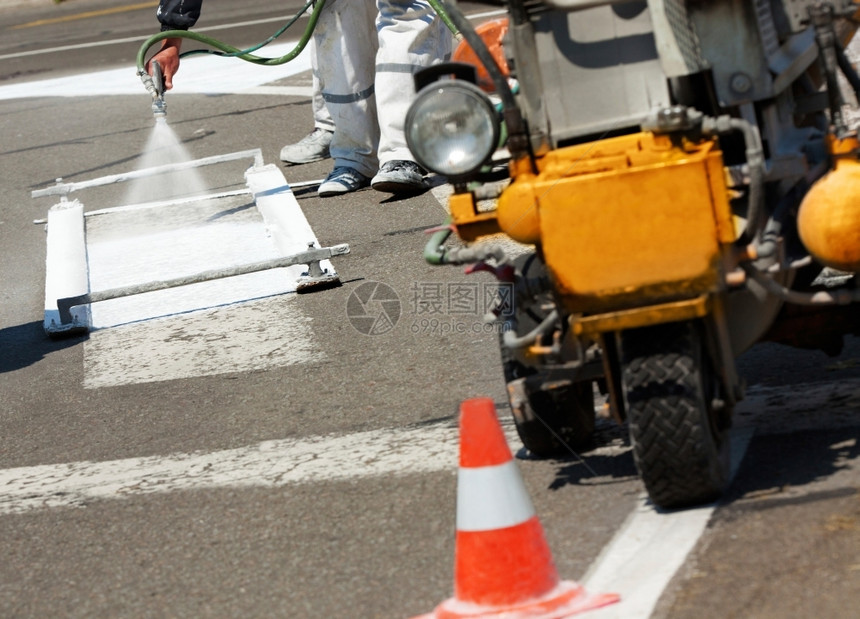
274, 456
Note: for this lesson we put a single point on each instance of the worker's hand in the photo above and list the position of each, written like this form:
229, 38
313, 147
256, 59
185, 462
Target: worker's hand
168, 58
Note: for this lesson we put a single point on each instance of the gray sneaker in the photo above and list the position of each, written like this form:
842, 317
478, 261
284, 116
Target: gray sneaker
313, 147
400, 177
342, 180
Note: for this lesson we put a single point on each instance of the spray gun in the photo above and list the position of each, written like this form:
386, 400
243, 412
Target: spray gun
154, 84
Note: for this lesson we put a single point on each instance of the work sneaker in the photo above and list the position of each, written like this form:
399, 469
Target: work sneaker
400, 177
313, 147
342, 180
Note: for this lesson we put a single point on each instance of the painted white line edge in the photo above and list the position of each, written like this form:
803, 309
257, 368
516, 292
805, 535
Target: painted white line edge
649, 548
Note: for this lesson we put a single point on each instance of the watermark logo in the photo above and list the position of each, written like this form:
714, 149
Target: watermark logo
437, 308
373, 308
462, 299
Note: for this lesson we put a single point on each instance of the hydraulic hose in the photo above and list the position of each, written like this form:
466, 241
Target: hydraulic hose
511, 340
434, 250
755, 163
262, 43
768, 244
822, 297
436, 253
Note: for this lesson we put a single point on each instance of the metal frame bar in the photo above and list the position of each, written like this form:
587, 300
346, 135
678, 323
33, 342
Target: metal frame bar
261, 181
310, 257
63, 189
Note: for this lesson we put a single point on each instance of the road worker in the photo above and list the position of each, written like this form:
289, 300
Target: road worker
365, 53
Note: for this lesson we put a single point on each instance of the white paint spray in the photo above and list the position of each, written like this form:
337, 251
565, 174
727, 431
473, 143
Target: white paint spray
162, 148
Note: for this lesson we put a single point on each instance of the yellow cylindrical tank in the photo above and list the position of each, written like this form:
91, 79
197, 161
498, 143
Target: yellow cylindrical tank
517, 207
518, 215
829, 216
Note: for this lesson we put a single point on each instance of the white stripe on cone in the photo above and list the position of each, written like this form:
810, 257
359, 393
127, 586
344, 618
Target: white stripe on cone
499, 486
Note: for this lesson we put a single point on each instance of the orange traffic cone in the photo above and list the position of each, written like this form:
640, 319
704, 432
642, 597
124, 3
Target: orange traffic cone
503, 566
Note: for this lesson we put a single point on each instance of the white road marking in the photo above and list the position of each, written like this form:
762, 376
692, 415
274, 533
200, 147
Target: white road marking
200, 75
638, 563
138, 40
236, 324
428, 449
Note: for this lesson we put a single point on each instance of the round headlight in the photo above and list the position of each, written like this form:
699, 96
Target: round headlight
452, 128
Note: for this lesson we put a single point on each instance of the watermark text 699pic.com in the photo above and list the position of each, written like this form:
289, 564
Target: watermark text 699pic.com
448, 326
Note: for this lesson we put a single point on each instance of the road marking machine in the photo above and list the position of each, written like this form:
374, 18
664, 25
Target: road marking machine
685, 175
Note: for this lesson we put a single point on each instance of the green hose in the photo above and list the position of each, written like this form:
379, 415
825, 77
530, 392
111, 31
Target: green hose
254, 48
443, 15
233, 52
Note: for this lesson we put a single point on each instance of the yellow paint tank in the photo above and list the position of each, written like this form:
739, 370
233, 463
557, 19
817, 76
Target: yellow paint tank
626, 221
829, 217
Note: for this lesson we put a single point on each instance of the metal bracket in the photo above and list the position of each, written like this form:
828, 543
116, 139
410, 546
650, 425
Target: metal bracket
316, 277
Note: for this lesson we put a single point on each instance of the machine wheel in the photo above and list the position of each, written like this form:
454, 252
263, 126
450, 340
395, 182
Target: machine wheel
552, 417
678, 426
553, 414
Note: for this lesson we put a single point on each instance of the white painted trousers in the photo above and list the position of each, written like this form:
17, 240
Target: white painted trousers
365, 54
322, 119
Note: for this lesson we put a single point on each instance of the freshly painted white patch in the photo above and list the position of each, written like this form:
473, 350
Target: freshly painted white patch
248, 336
648, 549
200, 75
234, 324
139, 256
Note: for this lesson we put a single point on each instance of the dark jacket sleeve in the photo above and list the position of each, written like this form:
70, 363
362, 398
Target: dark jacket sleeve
178, 14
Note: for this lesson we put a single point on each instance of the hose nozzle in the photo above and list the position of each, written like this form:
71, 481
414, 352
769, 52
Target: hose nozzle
154, 84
